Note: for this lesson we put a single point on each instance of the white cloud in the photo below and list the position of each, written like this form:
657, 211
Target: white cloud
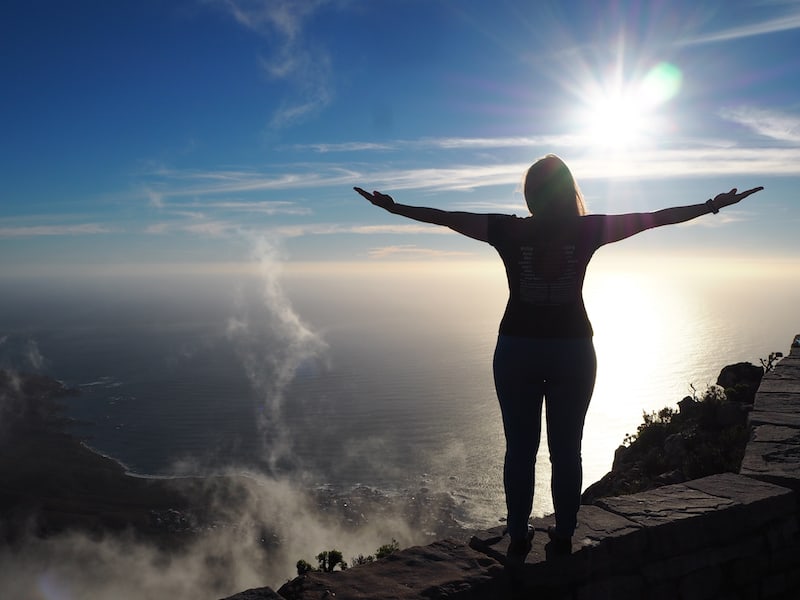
774, 124
305, 66
210, 228
268, 207
783, 23
706, 161
154, 198
53, 230
332, 228
157, 229
412, 252
204, 223
345, 147
690, 162
698, 158
448, 143
204, 183
269, 16
399, 229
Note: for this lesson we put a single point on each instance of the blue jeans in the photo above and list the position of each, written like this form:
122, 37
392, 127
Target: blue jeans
560, 372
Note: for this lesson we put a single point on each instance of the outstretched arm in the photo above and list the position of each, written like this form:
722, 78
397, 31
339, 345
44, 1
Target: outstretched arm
619, 227
472, 225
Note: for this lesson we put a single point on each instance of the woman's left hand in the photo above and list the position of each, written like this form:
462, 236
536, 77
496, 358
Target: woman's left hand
732, 197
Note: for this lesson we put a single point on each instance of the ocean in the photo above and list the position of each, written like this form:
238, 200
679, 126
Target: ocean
376, 377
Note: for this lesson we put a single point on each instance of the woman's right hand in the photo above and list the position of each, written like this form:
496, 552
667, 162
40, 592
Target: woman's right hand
383, 200
732, 197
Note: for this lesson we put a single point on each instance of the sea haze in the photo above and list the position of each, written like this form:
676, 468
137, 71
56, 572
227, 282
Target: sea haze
371, 376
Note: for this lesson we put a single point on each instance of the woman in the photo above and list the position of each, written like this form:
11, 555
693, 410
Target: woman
544, 349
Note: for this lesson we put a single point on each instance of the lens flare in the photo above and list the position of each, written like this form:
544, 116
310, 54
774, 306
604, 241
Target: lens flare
661, 84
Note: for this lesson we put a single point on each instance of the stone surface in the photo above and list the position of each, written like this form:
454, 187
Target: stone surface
765, 417
787, 368
264, 593
444, 569
773, 453
682, 518
774, 462
776, 433
599, 539
613, 588
666, 504
761, 499
786, 386
777, 402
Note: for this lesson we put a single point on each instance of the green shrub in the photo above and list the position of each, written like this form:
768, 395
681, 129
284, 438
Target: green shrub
328, 560
387, 549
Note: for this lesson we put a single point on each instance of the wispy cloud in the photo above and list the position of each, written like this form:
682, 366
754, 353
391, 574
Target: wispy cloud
154, 198
457, 177
157, 229
217, 218
177, 183
773, 124
447, 143
345, 147
304, 66
333, 229
210, 228
202, 227
219, 228
266, 207
267, 16
54, 230
412, 252
690, 162
643, 164
785, 22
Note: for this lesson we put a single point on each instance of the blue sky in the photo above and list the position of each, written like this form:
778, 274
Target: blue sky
145, 132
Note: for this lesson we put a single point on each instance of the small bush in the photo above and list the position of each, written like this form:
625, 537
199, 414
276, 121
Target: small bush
387, 549
361, 560
329, 560
303, 567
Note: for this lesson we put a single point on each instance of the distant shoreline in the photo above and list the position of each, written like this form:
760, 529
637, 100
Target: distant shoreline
53, 482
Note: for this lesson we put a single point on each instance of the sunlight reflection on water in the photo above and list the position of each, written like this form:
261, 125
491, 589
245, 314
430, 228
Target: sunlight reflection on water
404, 397
657, 332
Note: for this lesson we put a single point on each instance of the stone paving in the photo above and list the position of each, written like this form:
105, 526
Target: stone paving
773, 453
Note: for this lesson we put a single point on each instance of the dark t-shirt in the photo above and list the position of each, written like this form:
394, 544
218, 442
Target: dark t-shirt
545, 261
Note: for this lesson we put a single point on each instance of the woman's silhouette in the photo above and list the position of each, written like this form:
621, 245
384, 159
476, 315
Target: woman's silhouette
544, 348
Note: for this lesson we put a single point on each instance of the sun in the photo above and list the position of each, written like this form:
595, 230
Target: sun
615, 119
625, 115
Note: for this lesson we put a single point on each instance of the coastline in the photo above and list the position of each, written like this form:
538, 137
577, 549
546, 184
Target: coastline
53, 482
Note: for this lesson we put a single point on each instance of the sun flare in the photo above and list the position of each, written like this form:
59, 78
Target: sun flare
625, 114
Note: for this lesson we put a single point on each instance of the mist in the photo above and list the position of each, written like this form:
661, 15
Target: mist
256, 541
265, 519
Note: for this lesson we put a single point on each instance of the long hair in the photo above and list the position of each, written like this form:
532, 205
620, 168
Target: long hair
551, 190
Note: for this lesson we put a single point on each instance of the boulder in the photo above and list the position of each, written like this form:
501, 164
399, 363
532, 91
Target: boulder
745, 376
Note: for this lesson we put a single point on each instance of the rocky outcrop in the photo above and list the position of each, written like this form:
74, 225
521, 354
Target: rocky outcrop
704, 436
